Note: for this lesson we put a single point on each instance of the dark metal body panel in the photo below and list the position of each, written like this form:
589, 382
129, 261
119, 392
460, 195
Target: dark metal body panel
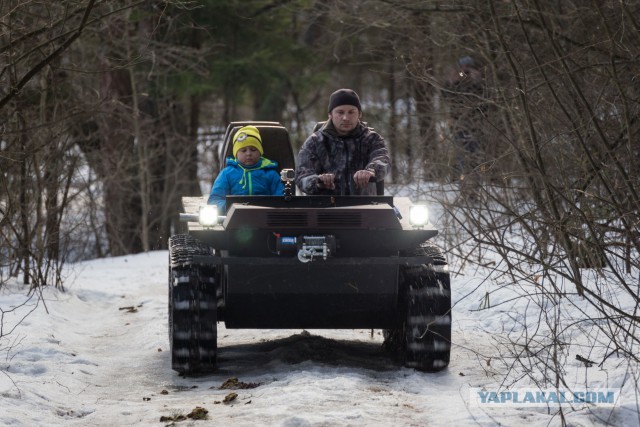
274, 289
311, 296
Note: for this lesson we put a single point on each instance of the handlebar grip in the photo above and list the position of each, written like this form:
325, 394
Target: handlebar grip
372, 179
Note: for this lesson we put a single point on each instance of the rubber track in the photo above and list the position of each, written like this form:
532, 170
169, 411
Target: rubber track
423, 340
192, 308
428, 313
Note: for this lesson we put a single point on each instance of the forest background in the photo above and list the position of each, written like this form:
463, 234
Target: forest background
111, 111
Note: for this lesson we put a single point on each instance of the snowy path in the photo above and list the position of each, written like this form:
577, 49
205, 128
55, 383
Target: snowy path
100, 357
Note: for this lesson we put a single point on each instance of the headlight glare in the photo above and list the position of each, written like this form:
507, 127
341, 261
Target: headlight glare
208, 216
418, 215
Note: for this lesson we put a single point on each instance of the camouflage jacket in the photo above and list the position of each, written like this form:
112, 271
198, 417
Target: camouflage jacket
327, 152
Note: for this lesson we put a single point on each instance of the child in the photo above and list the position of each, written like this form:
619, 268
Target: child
247, 173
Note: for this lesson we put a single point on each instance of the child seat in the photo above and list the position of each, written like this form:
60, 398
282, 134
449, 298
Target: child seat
276, 143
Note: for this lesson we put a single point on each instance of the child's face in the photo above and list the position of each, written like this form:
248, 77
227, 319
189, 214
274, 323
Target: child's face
248, 156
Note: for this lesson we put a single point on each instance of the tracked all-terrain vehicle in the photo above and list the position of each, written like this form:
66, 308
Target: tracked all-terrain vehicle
298, 261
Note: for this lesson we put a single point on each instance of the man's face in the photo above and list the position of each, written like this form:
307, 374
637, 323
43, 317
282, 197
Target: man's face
345, 118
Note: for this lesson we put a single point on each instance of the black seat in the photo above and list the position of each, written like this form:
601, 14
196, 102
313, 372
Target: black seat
276, 143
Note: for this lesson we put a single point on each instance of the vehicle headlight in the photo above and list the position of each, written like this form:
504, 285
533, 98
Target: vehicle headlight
208, 216
418, 215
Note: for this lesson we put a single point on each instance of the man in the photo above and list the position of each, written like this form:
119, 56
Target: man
344, 154
465, 97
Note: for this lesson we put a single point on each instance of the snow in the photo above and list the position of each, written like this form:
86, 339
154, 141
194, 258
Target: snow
97, 355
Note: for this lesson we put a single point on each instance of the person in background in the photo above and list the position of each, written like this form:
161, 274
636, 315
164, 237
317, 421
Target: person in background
344, 154
247, 173
465, 97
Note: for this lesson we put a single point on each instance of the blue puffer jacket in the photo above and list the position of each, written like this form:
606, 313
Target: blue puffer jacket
260, 179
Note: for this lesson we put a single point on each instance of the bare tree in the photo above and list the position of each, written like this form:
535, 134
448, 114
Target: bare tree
35, 154
42, 80
554, 197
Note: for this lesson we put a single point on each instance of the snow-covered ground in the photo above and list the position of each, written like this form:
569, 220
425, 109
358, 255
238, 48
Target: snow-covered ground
97, 355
